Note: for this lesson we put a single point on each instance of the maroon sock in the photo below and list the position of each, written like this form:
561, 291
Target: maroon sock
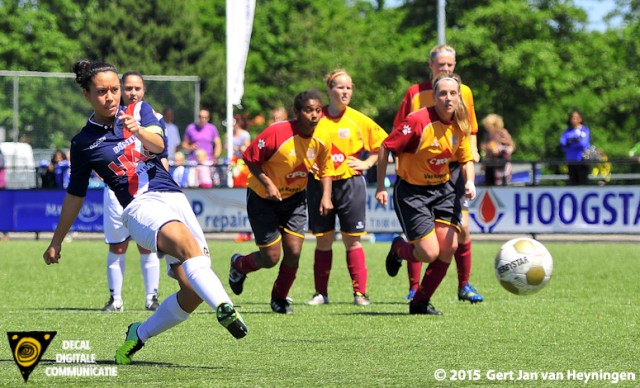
405, 251
283, 283
414, 270
432, 278
247, 264
463, 263
357, 267
322, 261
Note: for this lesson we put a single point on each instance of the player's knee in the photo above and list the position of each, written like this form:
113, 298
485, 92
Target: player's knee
119, 249
270, 259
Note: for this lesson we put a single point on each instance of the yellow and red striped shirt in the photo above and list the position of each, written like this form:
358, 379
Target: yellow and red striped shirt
286, 157
424, 145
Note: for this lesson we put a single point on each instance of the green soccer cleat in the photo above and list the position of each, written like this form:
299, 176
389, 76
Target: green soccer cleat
131, 345
231, 320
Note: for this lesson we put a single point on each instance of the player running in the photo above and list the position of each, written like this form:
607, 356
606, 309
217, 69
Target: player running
122, 144
280, 159
425, 202
442, 58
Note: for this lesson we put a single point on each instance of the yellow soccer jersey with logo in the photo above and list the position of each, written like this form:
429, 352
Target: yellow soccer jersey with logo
424, 145
352, 133
286, 157
420, 96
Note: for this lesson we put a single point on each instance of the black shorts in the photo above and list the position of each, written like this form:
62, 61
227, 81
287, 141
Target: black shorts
457, 180
349, 197
269, 219
419, 207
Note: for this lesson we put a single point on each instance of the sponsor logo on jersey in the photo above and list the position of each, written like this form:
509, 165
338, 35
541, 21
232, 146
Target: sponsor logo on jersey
440, 162
344, 133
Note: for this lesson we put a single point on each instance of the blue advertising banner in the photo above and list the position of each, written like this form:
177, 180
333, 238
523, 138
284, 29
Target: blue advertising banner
39, 210
601, 210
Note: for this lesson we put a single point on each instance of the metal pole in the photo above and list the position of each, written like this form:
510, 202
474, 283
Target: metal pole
16, 108
442, 21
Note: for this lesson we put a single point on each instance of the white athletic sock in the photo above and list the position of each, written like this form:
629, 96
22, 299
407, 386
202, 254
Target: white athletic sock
205, 282
168, 315
150, 268
116, 264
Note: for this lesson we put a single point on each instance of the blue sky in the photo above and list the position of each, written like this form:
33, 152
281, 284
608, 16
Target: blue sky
596, 9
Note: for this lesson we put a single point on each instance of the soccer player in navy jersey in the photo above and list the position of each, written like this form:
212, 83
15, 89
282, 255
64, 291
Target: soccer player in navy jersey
117, 236
442, 58
122, 144
425, 202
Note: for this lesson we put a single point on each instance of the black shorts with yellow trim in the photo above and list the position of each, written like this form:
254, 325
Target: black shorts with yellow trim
269, 219
419, 207
457, 180
349, 198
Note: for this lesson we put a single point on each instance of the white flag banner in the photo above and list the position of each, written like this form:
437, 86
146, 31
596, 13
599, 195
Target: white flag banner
239, 24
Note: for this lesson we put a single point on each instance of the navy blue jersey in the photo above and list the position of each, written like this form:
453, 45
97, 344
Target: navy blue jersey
118, 157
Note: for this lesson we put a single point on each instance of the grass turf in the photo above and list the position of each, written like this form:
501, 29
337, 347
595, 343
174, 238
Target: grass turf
585, 320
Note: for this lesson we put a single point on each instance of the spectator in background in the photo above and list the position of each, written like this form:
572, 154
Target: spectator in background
202, 135
497, 148
171, 132
57, 175
279, 114
182, 174
241, 136
575, 141
203, 170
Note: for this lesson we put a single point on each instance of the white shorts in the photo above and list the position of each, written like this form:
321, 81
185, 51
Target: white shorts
114, 231
149, 212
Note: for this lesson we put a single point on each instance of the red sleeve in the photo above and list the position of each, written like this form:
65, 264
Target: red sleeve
266, 143
405, 137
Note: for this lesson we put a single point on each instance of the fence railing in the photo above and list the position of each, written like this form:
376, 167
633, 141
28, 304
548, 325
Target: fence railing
524, 173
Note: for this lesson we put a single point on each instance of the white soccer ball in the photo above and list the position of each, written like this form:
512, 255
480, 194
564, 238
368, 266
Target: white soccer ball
523, 266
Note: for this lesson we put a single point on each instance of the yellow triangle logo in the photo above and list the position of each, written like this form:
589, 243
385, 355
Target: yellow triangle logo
28, 347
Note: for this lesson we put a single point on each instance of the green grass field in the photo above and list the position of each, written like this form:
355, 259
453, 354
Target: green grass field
585, 320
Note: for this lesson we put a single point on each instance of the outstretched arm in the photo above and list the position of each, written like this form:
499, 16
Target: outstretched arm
70, 209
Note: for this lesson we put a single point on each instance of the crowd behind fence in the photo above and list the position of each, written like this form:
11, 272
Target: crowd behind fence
525, 173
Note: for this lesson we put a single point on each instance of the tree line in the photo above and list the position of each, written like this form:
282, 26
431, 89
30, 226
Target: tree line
529, 61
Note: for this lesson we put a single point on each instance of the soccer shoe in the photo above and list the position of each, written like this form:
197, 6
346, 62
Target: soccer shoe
236, 278
113, 306
411, 295
231, 319
131, 345
393, 262
360, 299
317, 299
468, 292
152, 304
425, 308
281, 306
